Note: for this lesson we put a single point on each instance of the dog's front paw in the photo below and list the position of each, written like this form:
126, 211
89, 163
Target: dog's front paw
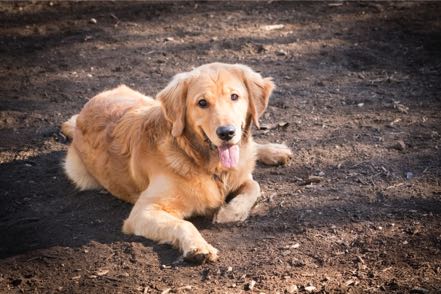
201, 255
229, 214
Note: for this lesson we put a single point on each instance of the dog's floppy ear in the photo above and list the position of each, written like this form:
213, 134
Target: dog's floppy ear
259, 91
173, 100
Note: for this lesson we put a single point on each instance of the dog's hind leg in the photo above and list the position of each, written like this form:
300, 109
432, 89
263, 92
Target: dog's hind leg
68, 127
273, 154
77, 172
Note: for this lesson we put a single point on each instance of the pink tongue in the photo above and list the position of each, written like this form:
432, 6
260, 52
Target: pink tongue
229, 155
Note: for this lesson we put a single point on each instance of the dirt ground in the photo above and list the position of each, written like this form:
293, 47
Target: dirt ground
358, 101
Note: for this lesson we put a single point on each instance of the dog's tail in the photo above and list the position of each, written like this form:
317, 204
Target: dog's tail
68, 127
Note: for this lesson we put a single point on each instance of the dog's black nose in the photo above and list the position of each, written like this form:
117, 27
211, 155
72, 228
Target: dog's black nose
226, 132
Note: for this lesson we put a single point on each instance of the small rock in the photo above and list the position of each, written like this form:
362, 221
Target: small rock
262, 49
409, 175
281, 52
250, 285
283, 124
399, 145
295, 246
292, 289
360, 104
297, 262
169, 39
229, 269
102, 272
93, 21
273, 27
310, 289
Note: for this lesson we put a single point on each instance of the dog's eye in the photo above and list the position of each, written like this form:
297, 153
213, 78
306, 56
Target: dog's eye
203, 103
234, 97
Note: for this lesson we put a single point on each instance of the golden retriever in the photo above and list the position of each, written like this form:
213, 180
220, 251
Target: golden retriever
178, 155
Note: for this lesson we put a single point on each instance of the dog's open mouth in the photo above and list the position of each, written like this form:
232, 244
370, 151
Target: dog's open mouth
228, 153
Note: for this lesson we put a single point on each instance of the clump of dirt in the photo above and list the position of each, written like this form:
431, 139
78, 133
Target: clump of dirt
358, 208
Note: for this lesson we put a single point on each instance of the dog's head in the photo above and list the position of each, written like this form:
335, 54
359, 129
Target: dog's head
216, 103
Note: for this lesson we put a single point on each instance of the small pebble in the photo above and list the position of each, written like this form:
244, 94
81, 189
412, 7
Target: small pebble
399, 145
250, 285
102, 272
93, 21
292, 289
281, 53
310, 289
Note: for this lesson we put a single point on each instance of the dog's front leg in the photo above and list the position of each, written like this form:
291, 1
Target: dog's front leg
150, 221
239, 207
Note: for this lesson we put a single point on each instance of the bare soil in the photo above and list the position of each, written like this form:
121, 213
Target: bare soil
358, 100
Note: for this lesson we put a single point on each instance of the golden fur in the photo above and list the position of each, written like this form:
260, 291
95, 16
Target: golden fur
160, 154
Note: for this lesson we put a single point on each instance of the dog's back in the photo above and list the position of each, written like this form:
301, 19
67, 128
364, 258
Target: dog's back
96, 132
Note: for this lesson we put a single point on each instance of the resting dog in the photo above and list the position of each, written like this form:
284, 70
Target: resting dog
178, 155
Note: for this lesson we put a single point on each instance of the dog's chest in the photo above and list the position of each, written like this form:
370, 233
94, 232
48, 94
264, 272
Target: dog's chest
226, 183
